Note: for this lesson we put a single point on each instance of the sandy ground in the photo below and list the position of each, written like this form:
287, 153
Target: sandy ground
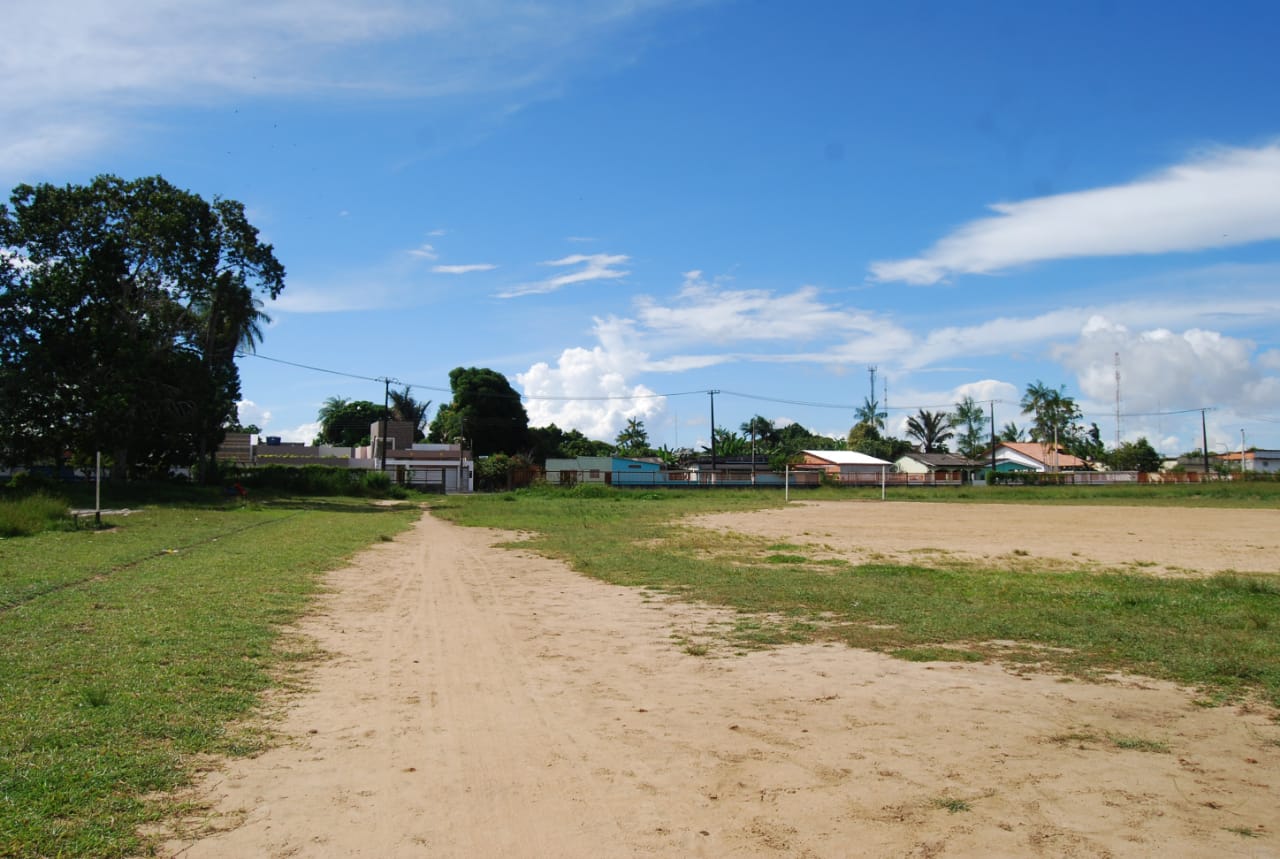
488, 703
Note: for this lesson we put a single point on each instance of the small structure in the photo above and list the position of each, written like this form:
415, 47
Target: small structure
1251, 461
938, 469
605, 470
849, 467
1033, 456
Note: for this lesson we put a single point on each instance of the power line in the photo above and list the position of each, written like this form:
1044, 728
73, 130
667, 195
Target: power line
699, 392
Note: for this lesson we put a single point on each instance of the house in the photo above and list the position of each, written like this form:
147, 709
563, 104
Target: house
430, 467
1256, 461
939, 468
745, 470
846, 466
580, 469
607, 470
1033, 456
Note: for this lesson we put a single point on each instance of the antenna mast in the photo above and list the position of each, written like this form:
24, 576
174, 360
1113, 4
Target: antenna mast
1117, 401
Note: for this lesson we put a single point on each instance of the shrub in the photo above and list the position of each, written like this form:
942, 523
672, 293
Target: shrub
23, 517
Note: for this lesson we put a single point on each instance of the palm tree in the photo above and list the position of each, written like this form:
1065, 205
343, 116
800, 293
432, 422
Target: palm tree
1012, 432
869, 413
971, 421
405, 408
1052, 412
633, 439
931, 429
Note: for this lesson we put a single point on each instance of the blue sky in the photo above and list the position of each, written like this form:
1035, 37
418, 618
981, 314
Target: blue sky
623, 205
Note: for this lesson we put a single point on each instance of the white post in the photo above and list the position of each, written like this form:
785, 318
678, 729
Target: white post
1242, 451
883, 468
786, 483
97, 489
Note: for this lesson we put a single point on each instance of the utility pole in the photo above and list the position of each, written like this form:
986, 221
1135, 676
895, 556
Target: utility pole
1204, 444
993, 435
386, 402
713, 433
1117, 401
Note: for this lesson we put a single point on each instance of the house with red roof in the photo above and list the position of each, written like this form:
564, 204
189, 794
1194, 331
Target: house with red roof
1033, 456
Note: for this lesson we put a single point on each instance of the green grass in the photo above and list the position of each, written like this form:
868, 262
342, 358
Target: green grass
1212, 633
22, 517
952, 804
126, 652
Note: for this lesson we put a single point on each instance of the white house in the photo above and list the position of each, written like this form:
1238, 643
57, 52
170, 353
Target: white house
847, 466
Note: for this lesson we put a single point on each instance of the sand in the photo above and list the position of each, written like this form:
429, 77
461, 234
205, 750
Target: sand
485, 702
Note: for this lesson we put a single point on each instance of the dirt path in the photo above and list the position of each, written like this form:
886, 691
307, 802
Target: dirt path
485, 703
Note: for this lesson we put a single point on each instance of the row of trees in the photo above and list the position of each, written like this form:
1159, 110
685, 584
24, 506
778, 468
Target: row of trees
1055, 420
122, 307
487, 415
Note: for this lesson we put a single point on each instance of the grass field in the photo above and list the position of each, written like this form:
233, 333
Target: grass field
127, 653
1217, 633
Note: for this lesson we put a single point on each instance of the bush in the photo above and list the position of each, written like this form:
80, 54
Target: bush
32, 482
23, 517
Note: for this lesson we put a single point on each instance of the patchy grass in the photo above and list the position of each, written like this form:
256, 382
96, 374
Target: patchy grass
1139, 744
1201, 632
127, 652
952, 804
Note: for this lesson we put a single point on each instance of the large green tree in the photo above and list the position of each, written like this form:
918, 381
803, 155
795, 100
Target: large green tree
485, 413
346, 423
123, 305
1134, 456
551, 442
1053, 413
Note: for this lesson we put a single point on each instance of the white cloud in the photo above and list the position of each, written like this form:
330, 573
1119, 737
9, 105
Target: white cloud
707, 311
1163, 369
81, 73
1224, 198
580, 374
463, 269
594, 267
425, 251
250, 412
302, 434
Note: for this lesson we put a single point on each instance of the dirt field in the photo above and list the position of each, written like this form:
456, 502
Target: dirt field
482, 703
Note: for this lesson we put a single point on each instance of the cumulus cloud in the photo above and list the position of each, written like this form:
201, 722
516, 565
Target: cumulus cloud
593, 267
250, 412
1163, 371
1223, 198
587, 390
463, 269
1163, 368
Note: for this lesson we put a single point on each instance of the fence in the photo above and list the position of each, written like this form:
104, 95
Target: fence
676, 479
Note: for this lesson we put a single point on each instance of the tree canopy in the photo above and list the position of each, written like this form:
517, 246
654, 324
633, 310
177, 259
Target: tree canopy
633, 440
970, 421
346, 423
405, 408
1134, 456
485, 413
931, 429
122, 307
